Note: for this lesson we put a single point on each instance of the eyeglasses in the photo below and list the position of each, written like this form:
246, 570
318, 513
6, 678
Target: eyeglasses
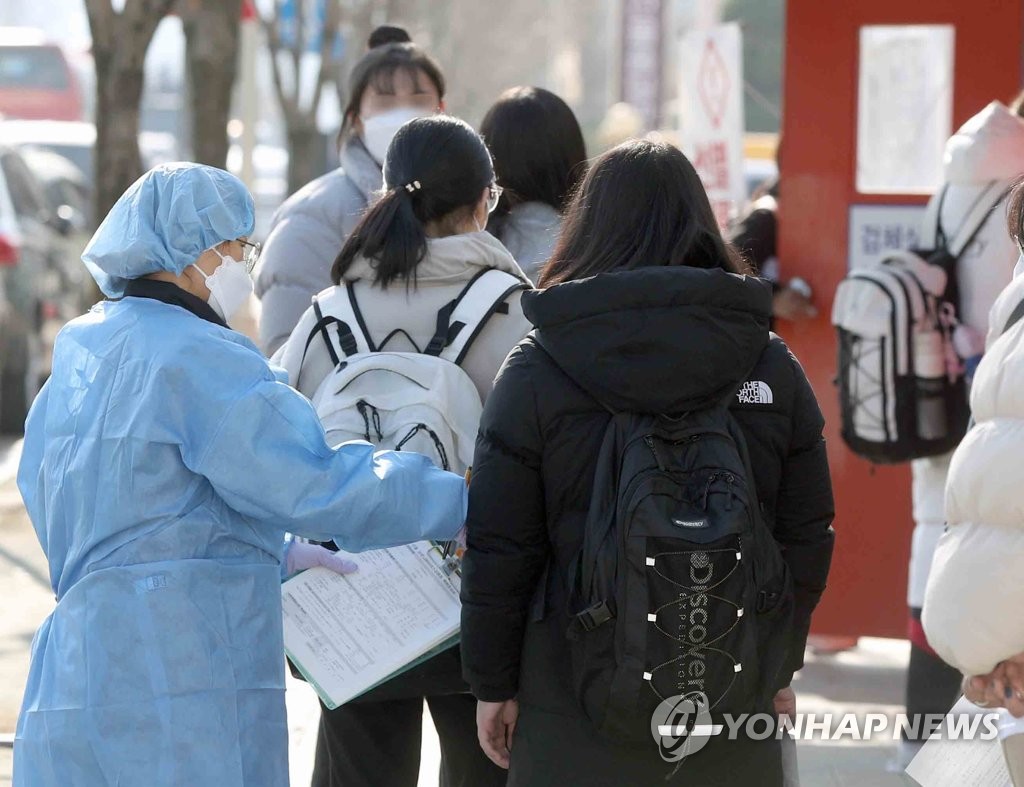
494, 192
252, 254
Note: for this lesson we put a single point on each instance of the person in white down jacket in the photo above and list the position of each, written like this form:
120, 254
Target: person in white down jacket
392, 83
975, 597
982, 160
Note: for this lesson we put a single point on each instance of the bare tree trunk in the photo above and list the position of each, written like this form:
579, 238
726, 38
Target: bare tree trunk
211, 53
120, 41
117, 159
305, 156
357, 31
299, 117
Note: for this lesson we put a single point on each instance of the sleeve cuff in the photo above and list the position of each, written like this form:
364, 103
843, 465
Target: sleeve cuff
493, 693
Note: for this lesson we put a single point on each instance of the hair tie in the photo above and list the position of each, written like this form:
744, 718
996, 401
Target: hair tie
414, 186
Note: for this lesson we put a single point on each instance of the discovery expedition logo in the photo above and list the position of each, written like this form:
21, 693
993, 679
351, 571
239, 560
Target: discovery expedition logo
682, 725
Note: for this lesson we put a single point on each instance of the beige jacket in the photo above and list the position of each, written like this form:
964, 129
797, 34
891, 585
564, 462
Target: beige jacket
448, 267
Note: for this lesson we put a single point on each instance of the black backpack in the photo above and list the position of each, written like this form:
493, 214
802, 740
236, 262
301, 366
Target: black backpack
902, 389
679, 587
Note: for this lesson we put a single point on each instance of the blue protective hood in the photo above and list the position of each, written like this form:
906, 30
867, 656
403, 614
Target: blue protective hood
168, 217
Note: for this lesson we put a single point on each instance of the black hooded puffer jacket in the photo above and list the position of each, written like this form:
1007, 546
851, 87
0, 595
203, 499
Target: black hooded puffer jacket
653, 340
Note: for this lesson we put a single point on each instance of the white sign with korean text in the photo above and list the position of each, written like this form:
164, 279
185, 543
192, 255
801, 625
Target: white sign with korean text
712, 113
904, 107
876, 231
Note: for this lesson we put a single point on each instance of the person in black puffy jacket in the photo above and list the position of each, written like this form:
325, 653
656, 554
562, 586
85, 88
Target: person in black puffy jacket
642, 308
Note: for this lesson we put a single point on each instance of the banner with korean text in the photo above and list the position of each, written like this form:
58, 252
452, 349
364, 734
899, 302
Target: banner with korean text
712, 113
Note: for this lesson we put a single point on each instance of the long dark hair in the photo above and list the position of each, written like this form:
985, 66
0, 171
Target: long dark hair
436, 171
641, 204
537, 145
1015, 212
389, 53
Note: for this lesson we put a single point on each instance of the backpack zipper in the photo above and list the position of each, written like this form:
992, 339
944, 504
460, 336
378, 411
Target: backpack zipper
649, 440
729, 478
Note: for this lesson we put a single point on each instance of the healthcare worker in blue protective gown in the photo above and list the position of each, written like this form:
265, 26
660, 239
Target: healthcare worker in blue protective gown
163, 463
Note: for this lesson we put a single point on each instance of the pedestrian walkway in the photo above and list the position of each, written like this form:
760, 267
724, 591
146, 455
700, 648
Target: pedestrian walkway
10, 453
866, 680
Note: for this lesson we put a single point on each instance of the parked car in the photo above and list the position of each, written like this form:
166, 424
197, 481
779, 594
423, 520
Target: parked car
69, 203
36, 81
67, 189
31, 285
76, 142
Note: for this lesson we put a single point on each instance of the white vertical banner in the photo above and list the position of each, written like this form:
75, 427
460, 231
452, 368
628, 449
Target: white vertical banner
642, 23
712, 113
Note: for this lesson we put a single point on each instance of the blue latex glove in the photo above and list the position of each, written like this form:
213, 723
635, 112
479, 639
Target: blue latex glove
300, 556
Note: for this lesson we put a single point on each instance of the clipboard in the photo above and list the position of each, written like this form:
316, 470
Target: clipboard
347, 634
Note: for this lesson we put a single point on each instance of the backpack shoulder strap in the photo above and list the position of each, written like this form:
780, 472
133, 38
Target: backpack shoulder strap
932, 235
978, 215
339, 323
1015, 317
460, 322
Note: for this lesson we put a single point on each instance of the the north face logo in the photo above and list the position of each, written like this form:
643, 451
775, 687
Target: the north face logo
755, 392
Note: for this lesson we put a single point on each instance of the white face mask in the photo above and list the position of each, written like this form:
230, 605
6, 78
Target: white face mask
230, 285
379, 130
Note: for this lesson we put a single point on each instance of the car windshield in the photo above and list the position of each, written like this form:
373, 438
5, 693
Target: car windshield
79, 155
32, 68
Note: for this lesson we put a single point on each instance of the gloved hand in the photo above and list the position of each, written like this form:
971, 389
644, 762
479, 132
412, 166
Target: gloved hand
300, 556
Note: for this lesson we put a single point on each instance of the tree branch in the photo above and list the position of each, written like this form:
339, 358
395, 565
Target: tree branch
273, 30
332, 20
146, 15
298, 45
102, 21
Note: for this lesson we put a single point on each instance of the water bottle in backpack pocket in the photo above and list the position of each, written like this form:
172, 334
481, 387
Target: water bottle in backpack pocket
679, 588
930, 379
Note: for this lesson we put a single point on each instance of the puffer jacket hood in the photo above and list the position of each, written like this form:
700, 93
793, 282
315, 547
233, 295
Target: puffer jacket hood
453, 258
307, 233
989, 146
655, 340
530, 232
357, 163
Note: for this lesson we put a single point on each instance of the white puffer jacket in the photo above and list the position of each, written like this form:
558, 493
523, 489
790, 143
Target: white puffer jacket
974, 604
987, 148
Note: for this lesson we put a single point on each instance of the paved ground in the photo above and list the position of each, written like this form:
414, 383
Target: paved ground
867, 680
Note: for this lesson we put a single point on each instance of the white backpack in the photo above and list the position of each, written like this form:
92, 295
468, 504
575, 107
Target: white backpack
407, 401
902, 390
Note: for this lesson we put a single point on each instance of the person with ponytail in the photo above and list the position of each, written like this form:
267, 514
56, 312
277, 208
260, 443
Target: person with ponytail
414, 252
394, 82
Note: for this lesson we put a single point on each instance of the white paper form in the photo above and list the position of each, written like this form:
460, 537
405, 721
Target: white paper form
961, 763
347, 633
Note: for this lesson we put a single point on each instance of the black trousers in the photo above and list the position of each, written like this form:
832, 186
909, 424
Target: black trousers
377, 744
932, 688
